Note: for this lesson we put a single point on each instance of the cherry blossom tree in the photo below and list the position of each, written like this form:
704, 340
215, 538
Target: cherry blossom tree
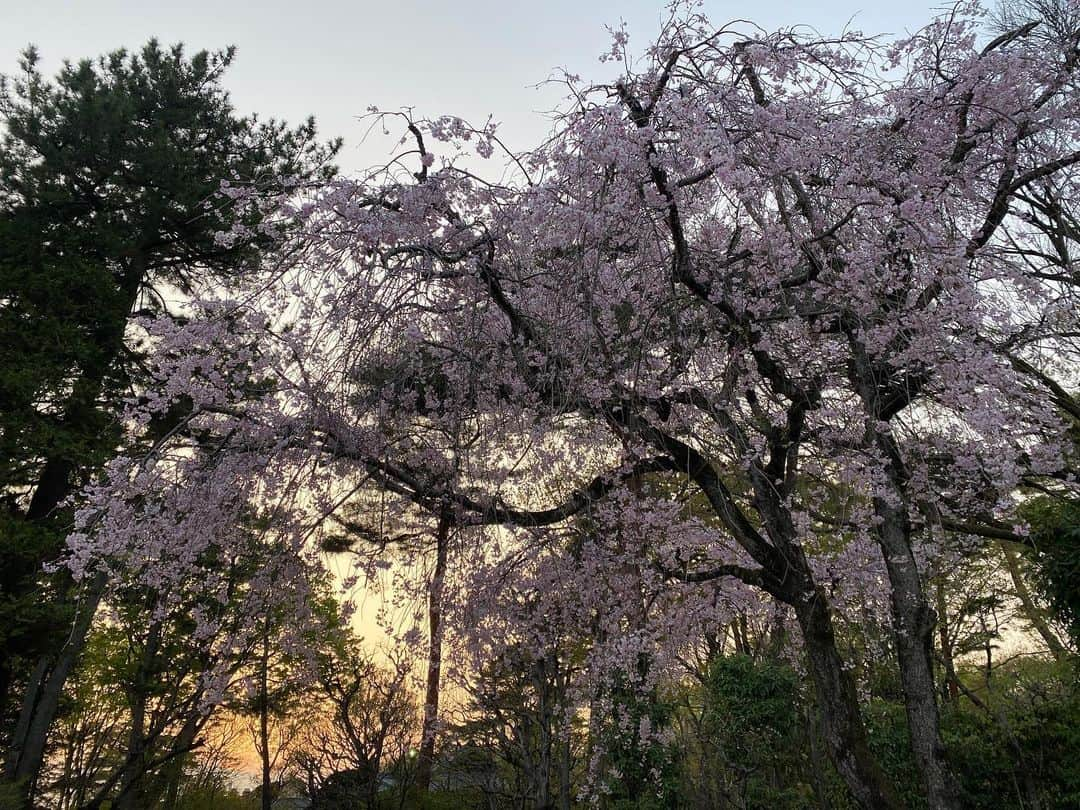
757, 322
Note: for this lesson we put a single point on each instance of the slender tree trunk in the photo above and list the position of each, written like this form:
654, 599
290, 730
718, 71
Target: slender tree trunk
561, 678
26, 714
1032, 612
29, 752
545, 722
44, 688
373, 780
133, 787
842, 726
168, 774
152, 775
951, 691
174, 775
742, 634
564, 773
426, 757
264, 717
5, 676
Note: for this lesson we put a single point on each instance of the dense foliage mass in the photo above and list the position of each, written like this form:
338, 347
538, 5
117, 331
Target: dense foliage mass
108, 212
722, 452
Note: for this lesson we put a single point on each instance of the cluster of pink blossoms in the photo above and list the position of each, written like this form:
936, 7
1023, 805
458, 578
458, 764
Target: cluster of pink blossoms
756, 326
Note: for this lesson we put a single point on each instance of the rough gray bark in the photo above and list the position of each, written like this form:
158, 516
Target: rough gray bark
841, 724
564, 774
913, 625
565, 742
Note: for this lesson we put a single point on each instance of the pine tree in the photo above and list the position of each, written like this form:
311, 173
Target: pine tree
110, 206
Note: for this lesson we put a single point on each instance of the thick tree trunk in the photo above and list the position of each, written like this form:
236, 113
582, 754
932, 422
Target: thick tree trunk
818, 765
426, 757
57, 478
841, 723
913, 628
787, 576
792, 582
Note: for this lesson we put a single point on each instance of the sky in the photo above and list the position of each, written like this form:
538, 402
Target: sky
335, 58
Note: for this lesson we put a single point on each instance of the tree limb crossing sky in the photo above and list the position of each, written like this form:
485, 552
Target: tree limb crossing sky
335, 58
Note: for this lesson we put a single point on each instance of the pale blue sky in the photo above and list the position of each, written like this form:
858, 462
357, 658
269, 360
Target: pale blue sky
332, 58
